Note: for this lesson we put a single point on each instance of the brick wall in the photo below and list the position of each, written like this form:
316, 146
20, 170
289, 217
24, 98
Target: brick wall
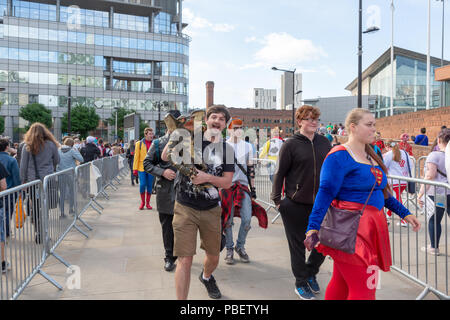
410, 123
418, 151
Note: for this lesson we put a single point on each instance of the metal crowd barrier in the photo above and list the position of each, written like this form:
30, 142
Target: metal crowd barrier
264, 170
83, 194
109, 169
102, 181
59, 205
409, 255
23, 223
420, 167
37, 216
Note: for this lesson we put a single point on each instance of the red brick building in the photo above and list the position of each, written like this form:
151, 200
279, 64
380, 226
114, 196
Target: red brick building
265, 119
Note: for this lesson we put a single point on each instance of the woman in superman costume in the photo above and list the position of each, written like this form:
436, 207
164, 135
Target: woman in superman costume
347, 176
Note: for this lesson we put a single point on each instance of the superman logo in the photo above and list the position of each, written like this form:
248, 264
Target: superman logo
378, 174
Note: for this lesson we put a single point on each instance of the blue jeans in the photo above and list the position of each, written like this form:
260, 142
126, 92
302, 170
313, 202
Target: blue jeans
145, 182
435, 222
246, 216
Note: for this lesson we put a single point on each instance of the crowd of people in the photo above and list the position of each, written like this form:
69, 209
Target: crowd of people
39, 155
313, 173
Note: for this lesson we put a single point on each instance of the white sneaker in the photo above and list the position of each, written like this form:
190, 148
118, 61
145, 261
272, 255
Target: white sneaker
403, 223
430, 250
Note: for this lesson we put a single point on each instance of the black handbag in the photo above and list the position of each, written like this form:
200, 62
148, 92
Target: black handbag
411, 185
340, 227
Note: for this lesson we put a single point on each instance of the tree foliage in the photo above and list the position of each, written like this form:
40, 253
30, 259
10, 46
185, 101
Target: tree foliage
82, 118
36, 112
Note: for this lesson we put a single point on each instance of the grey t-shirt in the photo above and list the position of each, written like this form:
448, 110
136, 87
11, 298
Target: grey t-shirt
243, 152
437, 158
46, 160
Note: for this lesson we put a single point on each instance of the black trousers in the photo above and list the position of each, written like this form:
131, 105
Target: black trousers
167, 234
295, 220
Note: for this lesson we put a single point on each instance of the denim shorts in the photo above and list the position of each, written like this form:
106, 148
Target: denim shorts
2, 225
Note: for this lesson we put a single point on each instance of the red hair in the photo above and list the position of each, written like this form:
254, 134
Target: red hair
235, 121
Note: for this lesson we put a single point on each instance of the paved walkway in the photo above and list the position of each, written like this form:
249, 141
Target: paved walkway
123, 259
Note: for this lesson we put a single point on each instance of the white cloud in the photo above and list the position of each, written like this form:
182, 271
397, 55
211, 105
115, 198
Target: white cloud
284, 49
250, 39
223, 27
196, 22
328, 71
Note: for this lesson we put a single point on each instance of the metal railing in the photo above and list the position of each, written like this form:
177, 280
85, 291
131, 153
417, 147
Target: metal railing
411, 255
264, 170
423, 256
36, 217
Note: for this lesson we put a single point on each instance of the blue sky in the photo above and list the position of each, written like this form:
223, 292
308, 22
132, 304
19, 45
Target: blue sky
236, 42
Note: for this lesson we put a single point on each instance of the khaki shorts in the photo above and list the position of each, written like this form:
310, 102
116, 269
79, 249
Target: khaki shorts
186, 222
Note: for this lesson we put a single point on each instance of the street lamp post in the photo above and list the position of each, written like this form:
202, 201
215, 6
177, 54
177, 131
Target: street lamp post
159, 118
69, 103
99, 105
293, 92
442, 53
369, 30
427, 104
392, 57
117, 133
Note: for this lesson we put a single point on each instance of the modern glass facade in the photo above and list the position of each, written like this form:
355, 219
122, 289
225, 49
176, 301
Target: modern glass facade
410, 87
125, 55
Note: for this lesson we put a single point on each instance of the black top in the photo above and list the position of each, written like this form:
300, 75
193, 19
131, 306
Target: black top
90, 152
3, 174
219, 158
298, 168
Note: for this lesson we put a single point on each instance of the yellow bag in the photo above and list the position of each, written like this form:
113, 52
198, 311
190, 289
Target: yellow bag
20, 215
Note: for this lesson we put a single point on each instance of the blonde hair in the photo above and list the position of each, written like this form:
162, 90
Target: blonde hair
36, 136
354, 117
69, 142
397, 156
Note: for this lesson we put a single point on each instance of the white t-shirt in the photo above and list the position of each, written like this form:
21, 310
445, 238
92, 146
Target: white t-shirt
274, 147
438, 159
243, 152
397, 168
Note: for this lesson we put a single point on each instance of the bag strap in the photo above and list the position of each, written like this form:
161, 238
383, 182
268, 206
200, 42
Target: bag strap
35, 167
423, 139
371, 191
407, 162
439, 171
244, 171
156, 142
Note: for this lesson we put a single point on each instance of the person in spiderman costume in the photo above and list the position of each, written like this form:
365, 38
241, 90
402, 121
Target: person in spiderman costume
145, 179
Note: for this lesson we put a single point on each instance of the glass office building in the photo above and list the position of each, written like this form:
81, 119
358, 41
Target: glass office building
129, 53
410, 83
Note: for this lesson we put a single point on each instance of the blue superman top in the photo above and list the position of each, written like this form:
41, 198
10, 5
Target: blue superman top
345, 179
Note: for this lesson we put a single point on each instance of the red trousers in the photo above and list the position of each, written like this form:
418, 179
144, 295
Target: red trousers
398, 192
352, 282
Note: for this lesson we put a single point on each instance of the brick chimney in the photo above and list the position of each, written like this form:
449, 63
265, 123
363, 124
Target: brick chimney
209, 94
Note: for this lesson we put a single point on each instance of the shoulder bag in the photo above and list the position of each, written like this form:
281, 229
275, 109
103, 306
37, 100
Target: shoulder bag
340, 227
411, 185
